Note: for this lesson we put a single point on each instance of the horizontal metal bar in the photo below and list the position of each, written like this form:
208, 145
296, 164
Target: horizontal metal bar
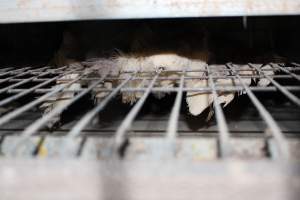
10, 78
282, 89
119, 138
2, 90
149, 77
87, 118
6, 69
39, 69
54, 71
6, 118
15, 71
286, 71
35, 126
18, 74
222, 69
51, 72
273, 126
296, 64
27, 91
162, 89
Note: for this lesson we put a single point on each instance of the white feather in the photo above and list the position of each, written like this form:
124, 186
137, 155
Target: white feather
270, 72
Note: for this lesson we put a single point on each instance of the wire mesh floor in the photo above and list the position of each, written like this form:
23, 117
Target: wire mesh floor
262, 123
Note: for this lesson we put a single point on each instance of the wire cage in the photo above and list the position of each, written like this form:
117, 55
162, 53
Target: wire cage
24, 132
66, 132
152, 143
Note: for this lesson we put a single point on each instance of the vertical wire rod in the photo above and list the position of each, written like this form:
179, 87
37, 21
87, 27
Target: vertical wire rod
296, 64
39, 69
119, 138
282, 89
17, 75
6, 69
273, 126
286, 71
24, 72
30, 130
224, 136
14, 71
88, 117
27, 91
173, 121
12, 77
5, 118
22, 82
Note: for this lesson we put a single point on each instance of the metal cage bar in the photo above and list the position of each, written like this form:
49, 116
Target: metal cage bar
173, 120
85, 120
4, 119
273, 126
221, 121
119, 138
286, 71
12, 78
288, 94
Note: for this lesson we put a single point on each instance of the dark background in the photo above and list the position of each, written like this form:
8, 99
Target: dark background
264, 39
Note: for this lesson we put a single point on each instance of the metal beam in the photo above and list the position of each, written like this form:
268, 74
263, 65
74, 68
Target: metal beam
171, 179
12, 11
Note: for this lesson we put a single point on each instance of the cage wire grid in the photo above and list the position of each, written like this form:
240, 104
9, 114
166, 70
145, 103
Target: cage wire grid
13, 80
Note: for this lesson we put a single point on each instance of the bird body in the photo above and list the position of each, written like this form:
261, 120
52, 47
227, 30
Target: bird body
171, 49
